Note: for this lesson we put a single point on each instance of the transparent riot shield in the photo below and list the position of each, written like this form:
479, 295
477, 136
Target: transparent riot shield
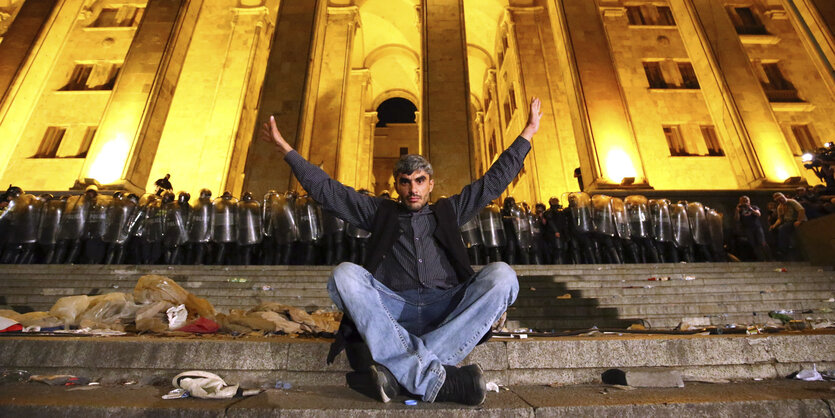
621, 218
492, 230
200, 221
698, 223
470, 233
175, 224
224, 219
662, 229
75, 218
249, 222
604, 222
97, 219
680, 224
50, 222
638, 211
310, 220
26, 217
581, 212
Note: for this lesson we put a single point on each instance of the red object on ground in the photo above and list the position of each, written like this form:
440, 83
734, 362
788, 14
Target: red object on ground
200, 326
12, 328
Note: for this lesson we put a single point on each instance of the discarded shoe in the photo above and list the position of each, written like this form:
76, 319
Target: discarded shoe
463, 385
386, 386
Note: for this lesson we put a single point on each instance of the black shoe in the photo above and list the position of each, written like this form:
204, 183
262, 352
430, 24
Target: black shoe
384, 382
465, 385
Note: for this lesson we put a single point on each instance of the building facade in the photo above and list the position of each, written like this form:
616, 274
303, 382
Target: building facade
668, 95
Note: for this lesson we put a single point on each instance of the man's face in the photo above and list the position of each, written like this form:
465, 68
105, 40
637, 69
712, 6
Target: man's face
744, 201
780, 199
414, 189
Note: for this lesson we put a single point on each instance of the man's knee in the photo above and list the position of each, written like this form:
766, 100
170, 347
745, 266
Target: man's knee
344, 276
500, 275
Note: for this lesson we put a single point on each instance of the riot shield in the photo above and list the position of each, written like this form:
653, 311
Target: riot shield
638, 211
119, 213
332, 224
698, 223
50, 222
621, 218
662, 229
470, 233
75, 218
492, 230
680, 225
97, 219
200, 221
286, 221
224, 219
249, 222
310, 220
153, 224
604, 222
717, 233
26, 215
175, 224
580, 205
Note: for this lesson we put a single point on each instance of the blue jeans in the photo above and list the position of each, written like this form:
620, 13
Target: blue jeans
415, 333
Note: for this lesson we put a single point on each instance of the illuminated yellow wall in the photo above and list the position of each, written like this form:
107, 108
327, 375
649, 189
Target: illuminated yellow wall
189, 104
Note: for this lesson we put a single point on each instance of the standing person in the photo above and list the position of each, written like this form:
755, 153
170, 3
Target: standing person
748, 217
415, 300
790, 214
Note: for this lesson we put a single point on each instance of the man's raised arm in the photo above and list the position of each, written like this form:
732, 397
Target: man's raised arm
352, 207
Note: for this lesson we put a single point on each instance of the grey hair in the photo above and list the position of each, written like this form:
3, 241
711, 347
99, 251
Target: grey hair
409, 163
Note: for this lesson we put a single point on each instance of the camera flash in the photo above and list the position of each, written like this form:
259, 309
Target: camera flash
806, 158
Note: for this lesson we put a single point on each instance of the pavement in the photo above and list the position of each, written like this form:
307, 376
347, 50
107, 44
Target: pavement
782, 397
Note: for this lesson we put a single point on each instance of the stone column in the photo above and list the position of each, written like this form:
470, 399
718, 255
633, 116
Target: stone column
605, 139
127, 138
329, 78
352, 143
446, 96
19, 39
738, 105
814, 21
282, 93
553, 157
365, 160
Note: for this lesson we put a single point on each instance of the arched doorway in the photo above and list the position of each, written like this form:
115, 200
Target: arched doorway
395, 134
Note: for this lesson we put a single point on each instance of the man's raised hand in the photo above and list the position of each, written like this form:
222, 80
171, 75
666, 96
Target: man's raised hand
270, 133
534, 116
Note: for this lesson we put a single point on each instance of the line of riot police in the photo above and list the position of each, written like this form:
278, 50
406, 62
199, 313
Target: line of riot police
596, 229
164, 228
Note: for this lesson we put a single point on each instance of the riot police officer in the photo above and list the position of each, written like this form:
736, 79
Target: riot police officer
700, 231
72, 225
471, 234
224, 227
200, 228
516, 228
51, 212
175, 231
492, 232
308, 213
153, 228
604, 229
94, 246
249, 228
583, 245
637, 210
119, 213
333, 242
627, 248
717, 235
682, 237
662, 230
357, 239
555, 226
281, 229
26, 214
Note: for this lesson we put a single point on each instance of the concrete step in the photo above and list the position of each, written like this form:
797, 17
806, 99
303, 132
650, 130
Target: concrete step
581, 298
705, 308
567, 360
771, 398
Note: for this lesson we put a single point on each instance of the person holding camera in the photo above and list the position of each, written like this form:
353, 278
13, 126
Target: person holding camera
790, 214
748, 218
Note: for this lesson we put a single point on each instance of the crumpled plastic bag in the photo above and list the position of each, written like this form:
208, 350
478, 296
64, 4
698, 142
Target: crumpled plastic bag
152, 288
38, 319
107, 311
809, 375
204, 385
68, 308
200, 326
151, 316
291, 312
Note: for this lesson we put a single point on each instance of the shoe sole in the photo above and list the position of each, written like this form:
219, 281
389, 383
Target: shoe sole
380, 380
482, 384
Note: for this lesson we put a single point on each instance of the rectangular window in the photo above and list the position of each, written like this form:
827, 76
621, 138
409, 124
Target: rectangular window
688, 75
512, 96
675, 141
803, 136
712, 141
776, 86
635, 16
665, 16
654, 75
89, 134
119, 17
92, 76
491, 147
747, 22
507, 112
50, 142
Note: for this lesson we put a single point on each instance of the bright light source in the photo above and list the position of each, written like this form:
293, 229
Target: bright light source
110, 160
807, 158
619, 166
828, 144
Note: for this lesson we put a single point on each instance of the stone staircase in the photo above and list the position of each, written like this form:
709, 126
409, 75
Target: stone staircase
550, 297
